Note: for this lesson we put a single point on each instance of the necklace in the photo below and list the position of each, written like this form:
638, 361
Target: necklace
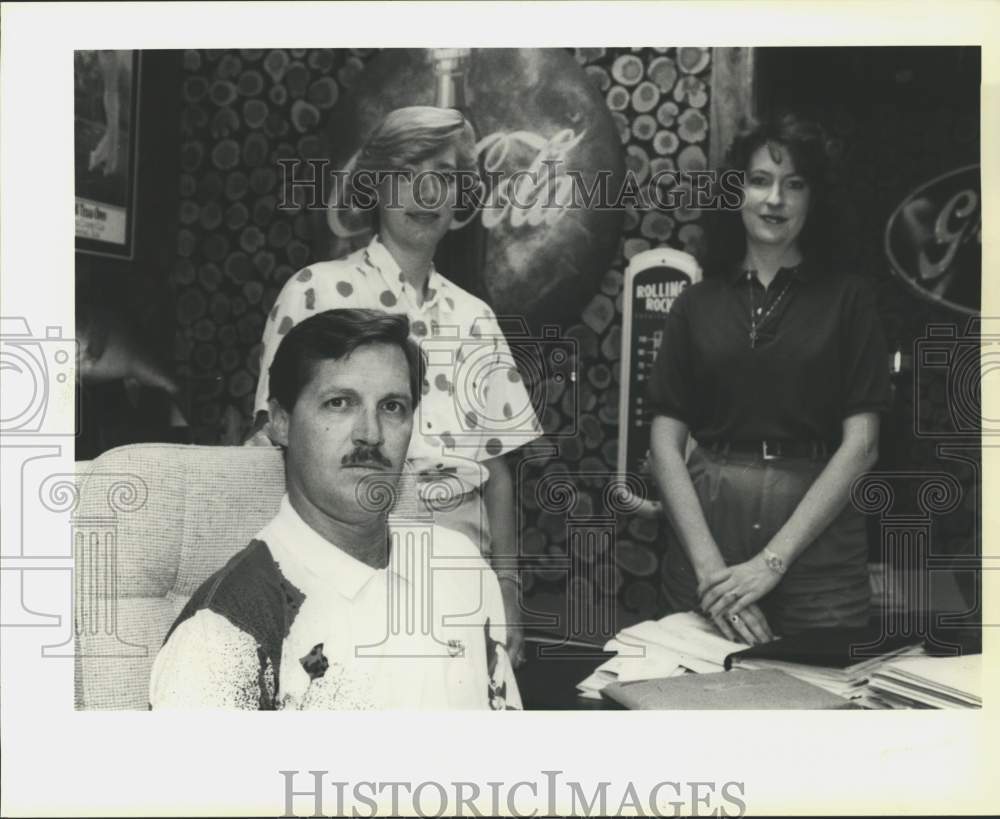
755, 325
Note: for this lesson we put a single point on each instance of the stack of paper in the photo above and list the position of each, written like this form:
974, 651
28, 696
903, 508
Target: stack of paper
627, 667
840, 659
655, 649
824, 657
850, 681
931, 682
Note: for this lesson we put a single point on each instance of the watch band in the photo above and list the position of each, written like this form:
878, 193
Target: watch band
773, 561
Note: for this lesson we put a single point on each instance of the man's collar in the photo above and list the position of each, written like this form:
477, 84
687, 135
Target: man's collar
378, 256
315, 554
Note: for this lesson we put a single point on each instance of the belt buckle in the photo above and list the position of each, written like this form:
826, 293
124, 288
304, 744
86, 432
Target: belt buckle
767, 454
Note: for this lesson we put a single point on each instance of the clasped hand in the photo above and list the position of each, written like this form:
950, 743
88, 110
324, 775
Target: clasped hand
728, 597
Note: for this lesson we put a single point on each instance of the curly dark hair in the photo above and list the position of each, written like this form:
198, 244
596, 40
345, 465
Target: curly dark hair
811, 152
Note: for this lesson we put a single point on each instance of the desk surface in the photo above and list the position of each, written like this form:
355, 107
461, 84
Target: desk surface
549, 676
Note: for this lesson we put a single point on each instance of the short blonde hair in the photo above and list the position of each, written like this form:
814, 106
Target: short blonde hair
416, 132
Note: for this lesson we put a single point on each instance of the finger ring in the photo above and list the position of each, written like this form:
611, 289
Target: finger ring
734, 618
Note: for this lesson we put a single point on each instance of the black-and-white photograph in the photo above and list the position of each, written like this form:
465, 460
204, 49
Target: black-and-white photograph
535, 379
665, 342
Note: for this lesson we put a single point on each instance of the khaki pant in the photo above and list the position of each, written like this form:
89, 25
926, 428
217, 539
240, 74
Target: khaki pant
746, 500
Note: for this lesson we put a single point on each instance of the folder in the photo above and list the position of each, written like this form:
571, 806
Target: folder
843, 649
745, 690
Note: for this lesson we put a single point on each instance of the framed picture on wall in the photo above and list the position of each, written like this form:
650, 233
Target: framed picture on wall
106, 129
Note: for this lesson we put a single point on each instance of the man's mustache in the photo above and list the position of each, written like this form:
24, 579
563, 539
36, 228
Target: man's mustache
366, 456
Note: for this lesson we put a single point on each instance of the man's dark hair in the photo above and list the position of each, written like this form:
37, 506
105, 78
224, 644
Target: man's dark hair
335, 334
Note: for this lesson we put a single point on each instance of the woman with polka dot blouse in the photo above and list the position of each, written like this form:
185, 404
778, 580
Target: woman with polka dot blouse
475, 407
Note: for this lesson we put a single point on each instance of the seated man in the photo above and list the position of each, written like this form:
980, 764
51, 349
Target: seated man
331, 606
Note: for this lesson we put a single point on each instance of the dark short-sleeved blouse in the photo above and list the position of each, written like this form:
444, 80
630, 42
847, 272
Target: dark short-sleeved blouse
820, 356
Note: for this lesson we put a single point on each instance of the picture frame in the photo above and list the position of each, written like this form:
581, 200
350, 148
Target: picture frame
106, 90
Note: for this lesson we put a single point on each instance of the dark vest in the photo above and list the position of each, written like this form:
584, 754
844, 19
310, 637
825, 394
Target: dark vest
251, 593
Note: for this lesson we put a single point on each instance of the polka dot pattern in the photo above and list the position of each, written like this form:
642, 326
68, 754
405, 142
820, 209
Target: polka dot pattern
345, 289
387, 299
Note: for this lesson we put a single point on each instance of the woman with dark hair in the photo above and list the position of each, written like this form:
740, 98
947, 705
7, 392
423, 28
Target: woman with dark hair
776, 365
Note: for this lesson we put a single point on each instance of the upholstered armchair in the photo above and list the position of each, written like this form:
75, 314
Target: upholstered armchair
151, 523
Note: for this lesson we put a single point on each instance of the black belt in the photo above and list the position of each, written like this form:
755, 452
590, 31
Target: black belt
772, 449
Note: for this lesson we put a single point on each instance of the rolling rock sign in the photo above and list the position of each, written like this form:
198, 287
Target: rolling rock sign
653, 279
528, 252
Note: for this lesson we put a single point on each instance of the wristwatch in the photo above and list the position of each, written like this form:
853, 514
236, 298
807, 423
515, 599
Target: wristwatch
773, 561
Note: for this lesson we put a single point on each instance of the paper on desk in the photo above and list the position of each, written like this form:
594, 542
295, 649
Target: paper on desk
596, 681
684, 620
643, 636
705, 641
640, 638
645, 651
688, 635
960, 677
918, 697
938, 682
657, 662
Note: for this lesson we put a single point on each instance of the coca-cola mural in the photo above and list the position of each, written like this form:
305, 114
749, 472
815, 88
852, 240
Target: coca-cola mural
535, 111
